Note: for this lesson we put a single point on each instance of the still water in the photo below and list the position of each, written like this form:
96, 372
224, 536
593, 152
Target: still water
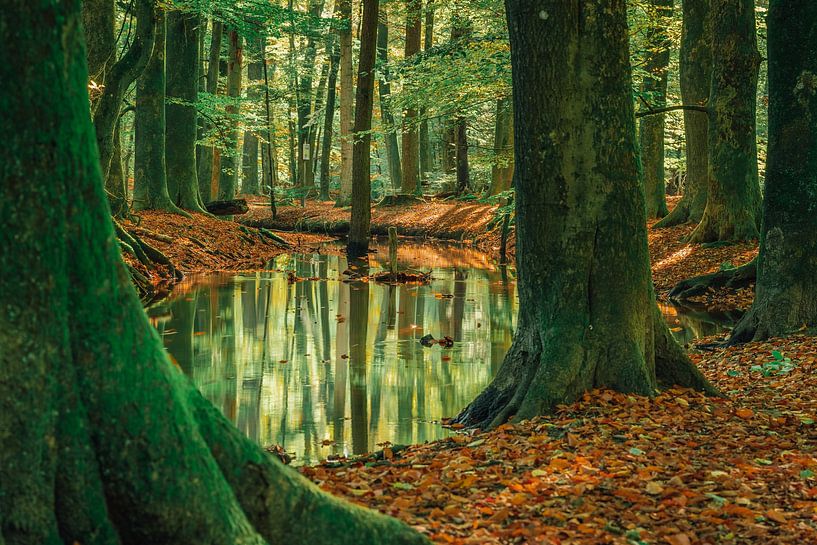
329, 367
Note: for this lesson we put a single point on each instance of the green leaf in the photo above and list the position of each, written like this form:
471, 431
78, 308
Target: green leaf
636, 451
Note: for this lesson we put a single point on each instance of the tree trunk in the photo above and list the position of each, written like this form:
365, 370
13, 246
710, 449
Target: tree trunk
502, 172
463, 170
654, 91
347, 95
306, 177
180, 109
387, 118
426, 160
116, 183
329, 115
696, 77
150, 175
359, 226
249, 167
205, 156
411, 142
230, 160
580, 220
120, 77
733, 201
786, 292
88, 457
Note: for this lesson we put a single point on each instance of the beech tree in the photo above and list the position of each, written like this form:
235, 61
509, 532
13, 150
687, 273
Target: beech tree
230, 161
502, 172
347, 95
580, 220
205, 155
384, 88
786, 290
104, 440
411, 136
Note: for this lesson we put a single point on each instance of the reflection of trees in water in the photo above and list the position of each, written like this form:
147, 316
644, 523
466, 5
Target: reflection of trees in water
688, 323
358, 333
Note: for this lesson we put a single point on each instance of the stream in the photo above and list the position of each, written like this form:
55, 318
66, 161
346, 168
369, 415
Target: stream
327, 367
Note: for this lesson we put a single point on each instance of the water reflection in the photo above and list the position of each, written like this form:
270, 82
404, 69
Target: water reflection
322, 366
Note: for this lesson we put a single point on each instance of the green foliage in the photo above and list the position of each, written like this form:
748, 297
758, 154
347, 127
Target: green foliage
780, 365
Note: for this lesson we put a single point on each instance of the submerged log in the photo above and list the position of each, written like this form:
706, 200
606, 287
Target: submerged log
235, 207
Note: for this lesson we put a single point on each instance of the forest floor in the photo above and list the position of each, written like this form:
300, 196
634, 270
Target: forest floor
680, 469
473, 223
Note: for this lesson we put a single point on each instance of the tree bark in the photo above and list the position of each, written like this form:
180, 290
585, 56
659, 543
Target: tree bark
329, 115
87, 457
696, 77
502, 171
411, 143
182, 94
786, 290
426, 159
359, 225
733, 201
347, 95
249, 166
387, 118
150, 174
580, 220
205, 155
230, 160
654, 91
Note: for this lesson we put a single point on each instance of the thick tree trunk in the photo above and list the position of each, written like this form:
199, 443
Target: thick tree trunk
733, 200
786, 292
426, 159
359, 232
205, 155
502, 171
180, 109
580, 220
150, 175
387, 118
347, 95
696, 77
230, 160
411, 143
654, 91
87, 457
120, 77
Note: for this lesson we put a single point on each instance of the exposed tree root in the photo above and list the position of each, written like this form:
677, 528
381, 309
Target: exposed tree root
739, 277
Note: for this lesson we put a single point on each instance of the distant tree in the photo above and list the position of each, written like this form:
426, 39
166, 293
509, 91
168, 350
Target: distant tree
426, 158
502, 172
580, 220
329, 115
255, 75
205, 155
387, 117
230, 160
733, 199
347, 96
411, 137
104, 440
786, 292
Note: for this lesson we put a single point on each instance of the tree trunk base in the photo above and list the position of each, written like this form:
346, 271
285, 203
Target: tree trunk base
739, 277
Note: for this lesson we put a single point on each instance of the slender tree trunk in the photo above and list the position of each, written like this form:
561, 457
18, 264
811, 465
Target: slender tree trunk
387, 118
230, 160
577, 187
426, 160
463, 170
654, 91
347, 94
306, 178
696, 77
502, 172
329, 115
733, 206
205, 157
359, 227
120, 77
180, 109
150, 175
116, 183
88, 457
249, 167
411, 143
786, 292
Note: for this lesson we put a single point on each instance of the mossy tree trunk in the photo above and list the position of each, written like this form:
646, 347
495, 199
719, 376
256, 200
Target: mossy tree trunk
180, 109
733, 200
347, 96
696, 77
502, 171
204, 158
411, 137
150, 174
359, 225
786, 292
230, 160
654, 92
104, 440
387, 117
580, 220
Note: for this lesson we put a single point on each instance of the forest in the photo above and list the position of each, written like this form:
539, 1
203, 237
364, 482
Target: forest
361, 272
